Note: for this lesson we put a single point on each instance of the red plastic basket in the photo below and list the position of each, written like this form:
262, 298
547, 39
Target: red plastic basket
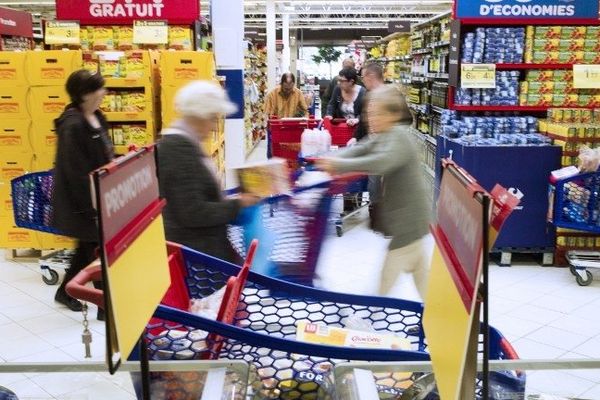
286, 135
339, 130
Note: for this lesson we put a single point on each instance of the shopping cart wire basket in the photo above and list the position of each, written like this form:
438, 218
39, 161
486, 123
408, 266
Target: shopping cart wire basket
577, 202
32, 201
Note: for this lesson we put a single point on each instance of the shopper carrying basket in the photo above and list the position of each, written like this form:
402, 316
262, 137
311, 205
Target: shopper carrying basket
196, 213
405, 209
83, 146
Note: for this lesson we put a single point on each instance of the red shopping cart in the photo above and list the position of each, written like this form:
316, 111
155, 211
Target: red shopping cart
339, 130
263, 330
285, 135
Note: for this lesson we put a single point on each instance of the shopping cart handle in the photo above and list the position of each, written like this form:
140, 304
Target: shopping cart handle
77, 286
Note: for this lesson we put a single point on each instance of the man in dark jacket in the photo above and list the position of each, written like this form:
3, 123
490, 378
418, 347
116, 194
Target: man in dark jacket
83, 146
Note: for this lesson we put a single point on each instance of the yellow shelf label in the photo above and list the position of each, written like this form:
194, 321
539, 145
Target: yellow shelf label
586, 76
478, 76
62, 32
150, 32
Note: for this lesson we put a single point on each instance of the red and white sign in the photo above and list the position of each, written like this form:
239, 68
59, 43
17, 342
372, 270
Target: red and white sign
122, 12
15, 23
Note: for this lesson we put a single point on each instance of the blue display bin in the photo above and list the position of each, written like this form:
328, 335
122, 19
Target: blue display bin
524, 169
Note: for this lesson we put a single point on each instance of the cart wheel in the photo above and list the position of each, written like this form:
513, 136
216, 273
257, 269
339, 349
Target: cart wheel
53, 280
584, 282
573, 270
339, 231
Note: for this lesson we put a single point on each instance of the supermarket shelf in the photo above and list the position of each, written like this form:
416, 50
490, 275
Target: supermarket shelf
573, 139
508, 108
442, 43
438, 109
127, 116
127, 82
438, 76
421, 51
390, 59
533, 66
419, 79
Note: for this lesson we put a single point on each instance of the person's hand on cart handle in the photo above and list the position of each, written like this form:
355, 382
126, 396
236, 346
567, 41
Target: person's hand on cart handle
248, 200
329, 117
352, 121
326, 164
351, 142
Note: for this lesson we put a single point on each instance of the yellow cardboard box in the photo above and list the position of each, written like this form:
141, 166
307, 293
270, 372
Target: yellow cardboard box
13, 237
15, 165
44, 161
52, 67
14, 136
179, 67
43, 136
6, 205
49, 241
13, 103
48, 102
12, 69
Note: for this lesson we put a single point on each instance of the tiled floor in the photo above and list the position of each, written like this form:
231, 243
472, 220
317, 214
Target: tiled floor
541, 310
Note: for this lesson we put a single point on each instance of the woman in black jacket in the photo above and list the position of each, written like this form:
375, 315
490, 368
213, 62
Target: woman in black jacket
83, 146
347, 102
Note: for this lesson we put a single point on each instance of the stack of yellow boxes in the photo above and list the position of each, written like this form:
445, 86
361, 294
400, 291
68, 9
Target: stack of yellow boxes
47, 73
178, 68
16, 152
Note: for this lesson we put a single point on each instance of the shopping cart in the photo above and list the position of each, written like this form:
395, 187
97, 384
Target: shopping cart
284, 137
339, 130
291, 229
31, 196
575, 204
263, 327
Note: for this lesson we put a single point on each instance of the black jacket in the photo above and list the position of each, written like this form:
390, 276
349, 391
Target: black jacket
80, 150
334, 109
196, 214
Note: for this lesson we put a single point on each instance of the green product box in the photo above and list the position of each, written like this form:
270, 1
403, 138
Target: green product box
591, 45
540, 75
548, 32
593, 32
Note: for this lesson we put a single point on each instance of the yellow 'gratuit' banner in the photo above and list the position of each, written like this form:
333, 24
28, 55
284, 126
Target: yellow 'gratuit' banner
447, 325
138, 280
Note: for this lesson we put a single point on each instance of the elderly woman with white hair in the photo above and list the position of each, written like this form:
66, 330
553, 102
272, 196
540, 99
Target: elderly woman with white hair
196, 214
404, 213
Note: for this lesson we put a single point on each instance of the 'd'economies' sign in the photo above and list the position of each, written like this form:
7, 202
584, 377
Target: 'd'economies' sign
121, 12
587, 9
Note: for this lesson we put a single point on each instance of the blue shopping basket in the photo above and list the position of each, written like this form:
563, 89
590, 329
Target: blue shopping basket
32, 201
575, 202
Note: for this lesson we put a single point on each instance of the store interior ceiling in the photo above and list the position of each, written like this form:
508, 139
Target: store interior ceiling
314, 21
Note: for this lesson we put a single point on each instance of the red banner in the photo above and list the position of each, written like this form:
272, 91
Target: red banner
123, 12
15, 23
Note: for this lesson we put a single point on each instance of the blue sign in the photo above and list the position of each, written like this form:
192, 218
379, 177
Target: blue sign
527, 9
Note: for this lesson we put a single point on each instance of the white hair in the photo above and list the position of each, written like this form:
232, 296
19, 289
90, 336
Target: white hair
203, 99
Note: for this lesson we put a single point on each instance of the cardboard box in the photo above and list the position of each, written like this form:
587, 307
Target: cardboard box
6, 205
539, 100
52, 67
14, 136
13, 103
12, 69
13, 237
540, 75
43, 137
573, 32
13, 166
541, 87
44, 161
47, 103
264, 179
179, 67
548, 32
49, 241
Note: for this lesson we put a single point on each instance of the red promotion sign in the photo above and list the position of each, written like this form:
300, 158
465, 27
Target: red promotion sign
123, 12
15, 23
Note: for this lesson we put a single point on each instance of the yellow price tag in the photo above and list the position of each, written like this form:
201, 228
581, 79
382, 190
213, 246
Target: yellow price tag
150, 32
586, 76
62, 32
478, 76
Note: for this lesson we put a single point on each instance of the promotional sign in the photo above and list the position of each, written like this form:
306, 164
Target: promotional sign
15, 23
134, 256
61, 32
150, 32
586, 76
454, 56
478, 76
527, 9
399, 26
124, 12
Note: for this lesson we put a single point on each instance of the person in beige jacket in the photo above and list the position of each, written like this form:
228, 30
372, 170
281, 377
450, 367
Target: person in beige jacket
405, 209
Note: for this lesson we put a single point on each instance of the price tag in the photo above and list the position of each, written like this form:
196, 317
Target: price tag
478, 76
586, 76
62, 32
150, 32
